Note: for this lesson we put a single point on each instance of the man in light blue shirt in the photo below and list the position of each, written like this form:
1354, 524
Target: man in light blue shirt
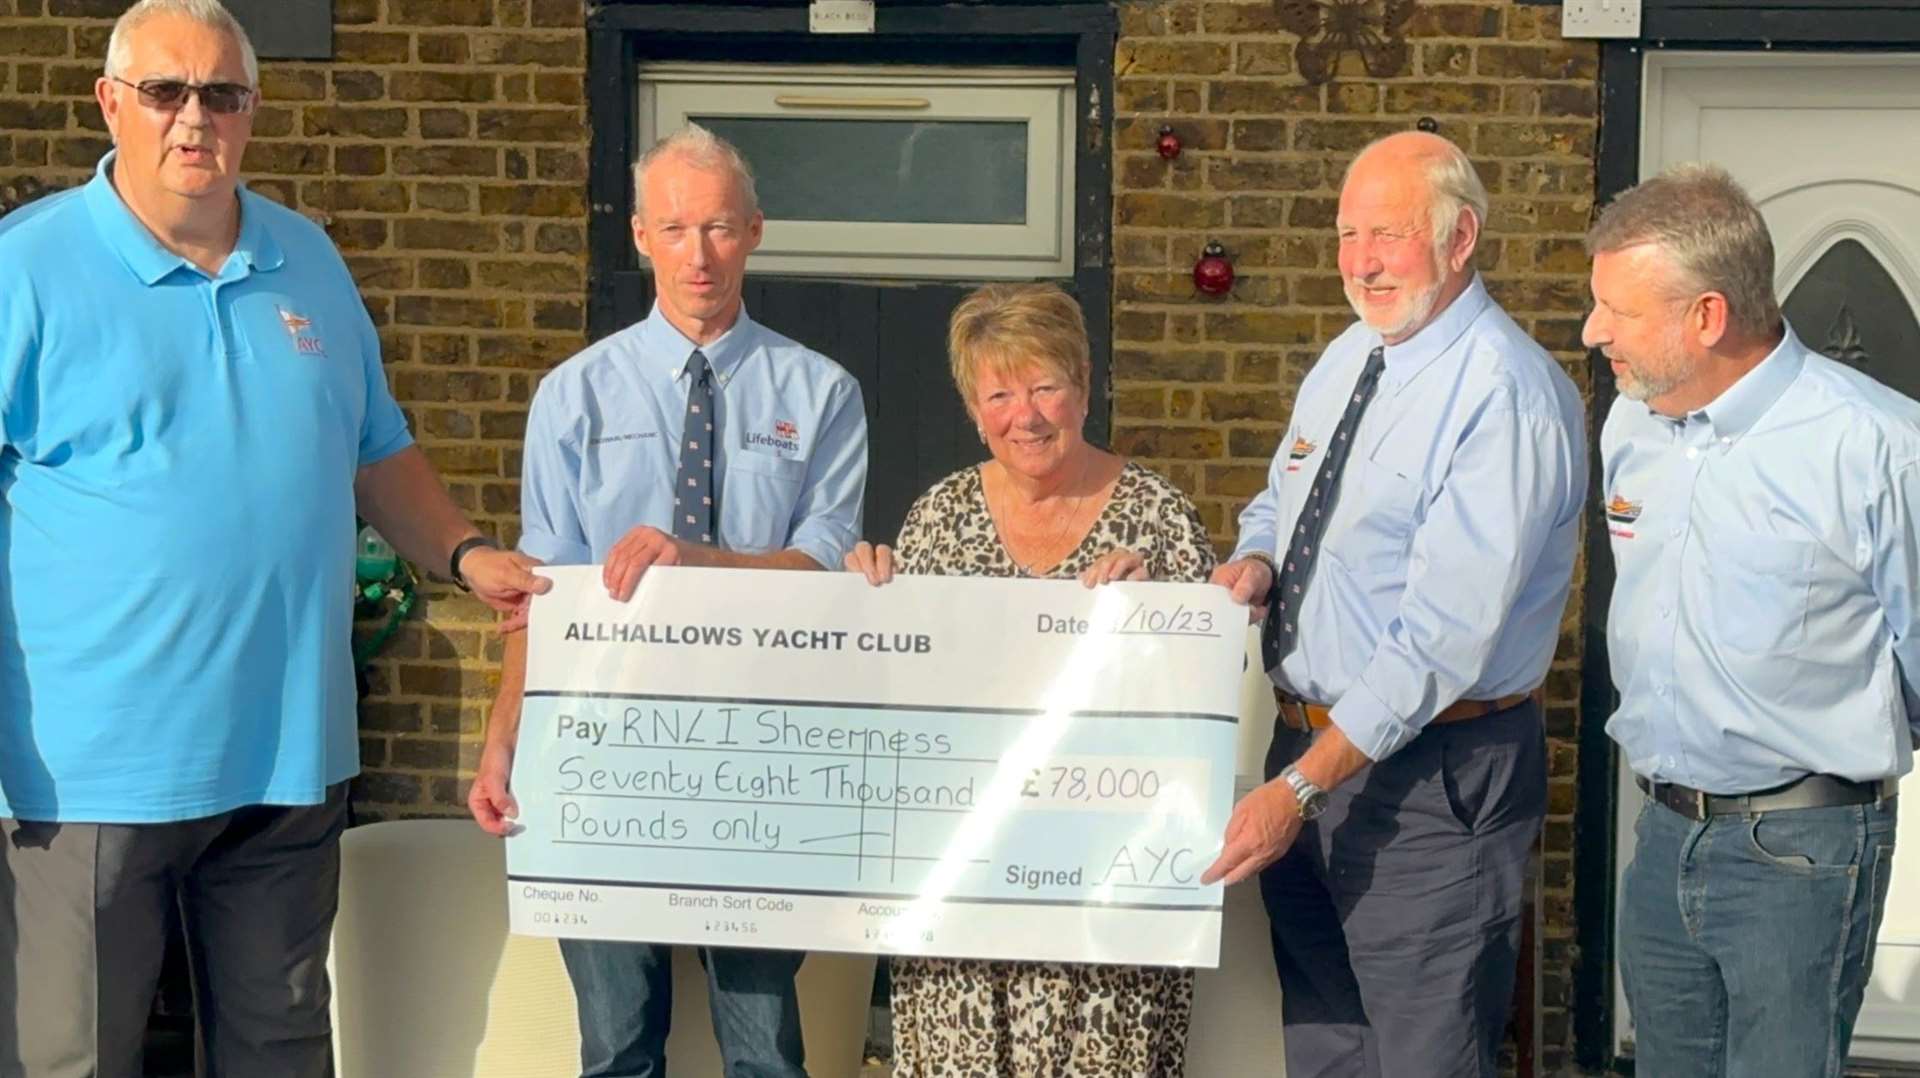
192, 408
1764, 636
1413, 551
694, 437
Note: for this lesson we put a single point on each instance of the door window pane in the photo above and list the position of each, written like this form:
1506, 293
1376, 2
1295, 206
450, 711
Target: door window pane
906, 171
1849, 307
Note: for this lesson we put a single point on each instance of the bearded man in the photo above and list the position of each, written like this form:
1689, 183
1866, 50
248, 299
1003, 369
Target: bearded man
1411, 555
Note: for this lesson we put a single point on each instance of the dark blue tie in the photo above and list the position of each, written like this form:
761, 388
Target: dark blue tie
693, 508
1282, 627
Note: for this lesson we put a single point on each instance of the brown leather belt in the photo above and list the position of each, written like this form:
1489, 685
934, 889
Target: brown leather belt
1307, 718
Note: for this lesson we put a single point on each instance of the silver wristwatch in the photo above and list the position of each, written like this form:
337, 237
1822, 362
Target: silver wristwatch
1313, 800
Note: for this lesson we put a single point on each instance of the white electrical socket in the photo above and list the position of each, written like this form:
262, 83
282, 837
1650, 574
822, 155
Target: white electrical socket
1600, 18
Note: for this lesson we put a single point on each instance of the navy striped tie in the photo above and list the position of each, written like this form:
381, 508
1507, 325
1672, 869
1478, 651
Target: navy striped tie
694, 512
1281, 630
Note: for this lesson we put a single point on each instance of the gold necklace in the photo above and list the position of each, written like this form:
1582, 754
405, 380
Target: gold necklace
1000, 517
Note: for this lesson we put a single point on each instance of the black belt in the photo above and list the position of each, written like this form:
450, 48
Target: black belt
1811, 791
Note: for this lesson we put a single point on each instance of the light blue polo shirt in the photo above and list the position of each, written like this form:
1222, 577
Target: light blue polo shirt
177, 460
603, 443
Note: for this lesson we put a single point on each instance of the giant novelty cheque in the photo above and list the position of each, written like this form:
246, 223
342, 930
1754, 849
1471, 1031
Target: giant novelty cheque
943, 766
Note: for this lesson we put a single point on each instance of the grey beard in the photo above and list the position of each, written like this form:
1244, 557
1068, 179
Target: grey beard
1638, 387
1417, 312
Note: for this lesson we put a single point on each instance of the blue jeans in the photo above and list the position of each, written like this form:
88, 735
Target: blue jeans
1746, 941
625, 997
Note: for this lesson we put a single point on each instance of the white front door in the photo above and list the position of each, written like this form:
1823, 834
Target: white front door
1829, 146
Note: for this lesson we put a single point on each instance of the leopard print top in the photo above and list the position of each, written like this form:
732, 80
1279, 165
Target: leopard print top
963, 1018
950, 532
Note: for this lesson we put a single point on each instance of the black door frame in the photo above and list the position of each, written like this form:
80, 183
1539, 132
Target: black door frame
1732, 25
912, 31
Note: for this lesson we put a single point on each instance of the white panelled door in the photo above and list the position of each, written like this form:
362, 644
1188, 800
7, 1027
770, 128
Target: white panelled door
1829, 146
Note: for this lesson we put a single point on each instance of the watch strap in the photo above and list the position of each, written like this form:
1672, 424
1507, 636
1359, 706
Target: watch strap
460, 551
1304, 791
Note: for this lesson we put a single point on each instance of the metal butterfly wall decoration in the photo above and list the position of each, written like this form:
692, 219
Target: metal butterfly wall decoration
1329, 29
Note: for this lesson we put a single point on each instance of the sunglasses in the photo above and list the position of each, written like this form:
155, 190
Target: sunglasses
224, 98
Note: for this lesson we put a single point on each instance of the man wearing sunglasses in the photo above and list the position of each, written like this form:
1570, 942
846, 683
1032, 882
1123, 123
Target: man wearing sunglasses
192, 408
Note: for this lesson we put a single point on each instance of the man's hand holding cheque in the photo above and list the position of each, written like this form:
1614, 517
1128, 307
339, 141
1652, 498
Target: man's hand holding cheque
645, 547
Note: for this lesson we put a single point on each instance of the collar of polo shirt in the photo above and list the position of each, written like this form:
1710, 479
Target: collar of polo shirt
143, 254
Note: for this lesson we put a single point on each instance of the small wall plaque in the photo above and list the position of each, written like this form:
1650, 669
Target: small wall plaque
840, 16
287, 29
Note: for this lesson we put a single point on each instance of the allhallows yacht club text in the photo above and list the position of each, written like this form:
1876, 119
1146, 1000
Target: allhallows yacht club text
734, 636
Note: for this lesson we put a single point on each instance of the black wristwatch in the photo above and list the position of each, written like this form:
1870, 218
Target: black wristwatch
459, 552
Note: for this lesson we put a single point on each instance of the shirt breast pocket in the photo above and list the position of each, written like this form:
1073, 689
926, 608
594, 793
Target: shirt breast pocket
1376, 506
756, 507
1761, 586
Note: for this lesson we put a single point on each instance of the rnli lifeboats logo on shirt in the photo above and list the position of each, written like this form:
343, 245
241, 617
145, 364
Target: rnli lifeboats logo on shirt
299, 327
1621, 514
785, 437
1302, 449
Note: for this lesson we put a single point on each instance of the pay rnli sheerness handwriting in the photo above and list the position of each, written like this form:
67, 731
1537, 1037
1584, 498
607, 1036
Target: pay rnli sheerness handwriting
877, 782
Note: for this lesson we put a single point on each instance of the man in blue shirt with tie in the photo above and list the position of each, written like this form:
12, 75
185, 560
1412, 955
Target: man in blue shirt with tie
1764, 636
1412, 552
694, 437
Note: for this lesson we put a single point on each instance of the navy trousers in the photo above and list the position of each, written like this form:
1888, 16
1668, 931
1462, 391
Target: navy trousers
1396, 914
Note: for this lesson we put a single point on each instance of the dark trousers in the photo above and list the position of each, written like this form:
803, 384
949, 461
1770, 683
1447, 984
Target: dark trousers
84, 915
1396, 914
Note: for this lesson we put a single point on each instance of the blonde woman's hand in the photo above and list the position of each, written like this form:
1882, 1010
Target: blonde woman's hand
1116, 564
873, 562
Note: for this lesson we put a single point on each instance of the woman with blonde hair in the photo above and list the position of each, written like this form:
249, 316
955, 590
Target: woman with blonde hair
1047, 504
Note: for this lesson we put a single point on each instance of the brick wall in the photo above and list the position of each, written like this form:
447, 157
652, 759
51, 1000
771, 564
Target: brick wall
1203, 386
444, 149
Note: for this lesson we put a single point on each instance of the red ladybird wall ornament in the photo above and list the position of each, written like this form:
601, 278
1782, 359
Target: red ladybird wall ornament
1168, 144
1213, 274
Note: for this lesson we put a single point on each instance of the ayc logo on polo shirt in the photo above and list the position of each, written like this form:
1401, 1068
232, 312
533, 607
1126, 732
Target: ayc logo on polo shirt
1621, 514
1302, 449
785, 437
299, 327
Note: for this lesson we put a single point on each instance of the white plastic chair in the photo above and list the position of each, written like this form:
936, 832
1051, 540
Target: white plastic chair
427, 982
